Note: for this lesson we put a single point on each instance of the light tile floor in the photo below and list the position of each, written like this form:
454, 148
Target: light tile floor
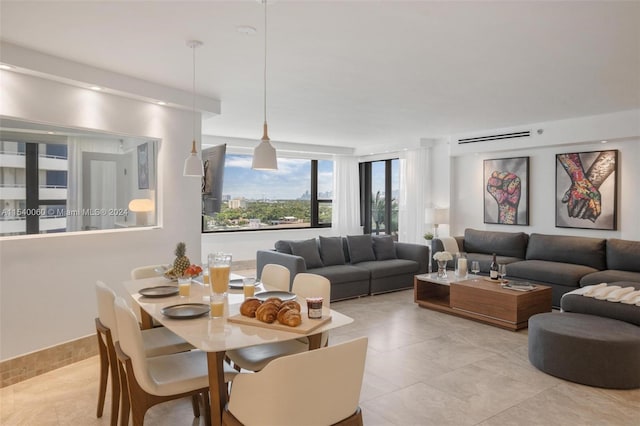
423, 368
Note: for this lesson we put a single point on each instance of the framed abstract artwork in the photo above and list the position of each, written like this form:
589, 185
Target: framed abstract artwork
506, 191
586, 190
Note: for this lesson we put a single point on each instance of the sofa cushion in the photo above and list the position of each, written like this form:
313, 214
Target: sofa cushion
623, 255
283, 246
509, 244
602, 308
565, 274
308, 250
567, 249
609, 276
388, 268
360, 248
384, 247
331, 251
338, 274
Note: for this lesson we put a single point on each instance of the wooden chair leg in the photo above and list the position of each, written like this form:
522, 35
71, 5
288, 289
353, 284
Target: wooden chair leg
207, 408
195, 402
104, 372
115, 381
125, 404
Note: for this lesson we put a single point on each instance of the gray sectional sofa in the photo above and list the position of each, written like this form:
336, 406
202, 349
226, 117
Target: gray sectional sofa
562, 262
356, 265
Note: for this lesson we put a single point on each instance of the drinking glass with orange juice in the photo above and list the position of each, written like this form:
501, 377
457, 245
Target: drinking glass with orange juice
219, 270
216, 302
248, 286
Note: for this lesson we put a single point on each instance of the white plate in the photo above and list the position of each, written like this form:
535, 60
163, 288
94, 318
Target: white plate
282, 295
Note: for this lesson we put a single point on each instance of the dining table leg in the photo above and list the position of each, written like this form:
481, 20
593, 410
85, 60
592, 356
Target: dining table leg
314, 341
217, 386
146, 320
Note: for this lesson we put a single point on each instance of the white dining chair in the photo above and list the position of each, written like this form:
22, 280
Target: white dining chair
156, 341
275, 277
313, 285
148, 271
255, 358
320, 387
153, 380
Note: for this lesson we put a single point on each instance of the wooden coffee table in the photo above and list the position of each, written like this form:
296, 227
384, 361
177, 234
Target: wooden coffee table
480, 300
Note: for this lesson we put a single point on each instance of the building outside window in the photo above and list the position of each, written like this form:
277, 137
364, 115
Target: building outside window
297, 195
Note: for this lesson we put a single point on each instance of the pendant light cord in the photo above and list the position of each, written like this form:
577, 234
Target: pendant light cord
193, 91
265, 62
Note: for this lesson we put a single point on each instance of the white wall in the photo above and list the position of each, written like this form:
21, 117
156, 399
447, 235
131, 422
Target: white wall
47, 282
467, 187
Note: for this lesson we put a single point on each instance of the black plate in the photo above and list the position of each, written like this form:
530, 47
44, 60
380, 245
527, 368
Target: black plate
236, 283
160, 291
282, 295
185, 310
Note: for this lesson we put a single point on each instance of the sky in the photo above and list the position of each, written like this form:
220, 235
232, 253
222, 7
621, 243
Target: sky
289, 182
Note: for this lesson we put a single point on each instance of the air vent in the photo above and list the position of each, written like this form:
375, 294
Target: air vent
513, 135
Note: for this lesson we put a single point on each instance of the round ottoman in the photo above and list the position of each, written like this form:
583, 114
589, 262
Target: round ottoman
587, 349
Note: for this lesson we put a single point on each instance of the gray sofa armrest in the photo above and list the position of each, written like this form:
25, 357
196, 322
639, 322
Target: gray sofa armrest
295, 264
416, 252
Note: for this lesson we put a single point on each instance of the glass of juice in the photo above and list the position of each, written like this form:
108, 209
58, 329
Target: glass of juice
219, 269
216, 302
184, 286
249, 286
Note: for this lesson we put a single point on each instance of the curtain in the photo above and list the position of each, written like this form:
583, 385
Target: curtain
345, 216
414, 176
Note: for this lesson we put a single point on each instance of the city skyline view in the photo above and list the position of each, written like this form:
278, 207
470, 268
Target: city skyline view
291, 181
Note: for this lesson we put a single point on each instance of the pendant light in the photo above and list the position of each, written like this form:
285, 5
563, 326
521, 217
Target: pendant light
264, 155
193, 164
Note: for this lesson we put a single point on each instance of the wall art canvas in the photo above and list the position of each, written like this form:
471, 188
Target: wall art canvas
143, 166
586, 190
506, 191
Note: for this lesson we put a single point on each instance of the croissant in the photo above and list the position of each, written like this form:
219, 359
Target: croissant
292, 304
267, 312
249, 306
290, 317
276, 300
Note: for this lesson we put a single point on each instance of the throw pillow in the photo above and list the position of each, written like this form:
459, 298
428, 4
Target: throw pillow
384, 248
331, 251
308, 250
360, 248
283, 246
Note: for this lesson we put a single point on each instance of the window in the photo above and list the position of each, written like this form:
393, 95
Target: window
379, 191
297, 195
62, 180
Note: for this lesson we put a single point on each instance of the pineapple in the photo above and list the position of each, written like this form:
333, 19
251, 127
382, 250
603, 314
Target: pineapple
182, 262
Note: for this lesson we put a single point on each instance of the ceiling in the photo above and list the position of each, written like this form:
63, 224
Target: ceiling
358, 73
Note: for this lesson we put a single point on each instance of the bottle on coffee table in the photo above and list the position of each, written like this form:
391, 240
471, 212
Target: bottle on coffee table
493, 268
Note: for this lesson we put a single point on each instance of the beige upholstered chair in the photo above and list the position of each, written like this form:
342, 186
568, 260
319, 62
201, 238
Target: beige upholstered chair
313, 285
320, 387
148, 271
275, 277
156, 341
255, 358
154, 380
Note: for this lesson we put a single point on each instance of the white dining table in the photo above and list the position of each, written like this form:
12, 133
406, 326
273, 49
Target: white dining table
218, 335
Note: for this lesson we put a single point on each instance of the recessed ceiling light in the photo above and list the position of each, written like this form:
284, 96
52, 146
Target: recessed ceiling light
604, 141
96, 88
246, 30
5, 67
51, 133
161, 103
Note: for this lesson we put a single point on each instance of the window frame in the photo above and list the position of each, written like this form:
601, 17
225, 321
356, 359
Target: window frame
314, 204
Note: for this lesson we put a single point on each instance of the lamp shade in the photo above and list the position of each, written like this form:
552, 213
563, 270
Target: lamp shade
141, 205
264, 157
441, 216
193, 165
